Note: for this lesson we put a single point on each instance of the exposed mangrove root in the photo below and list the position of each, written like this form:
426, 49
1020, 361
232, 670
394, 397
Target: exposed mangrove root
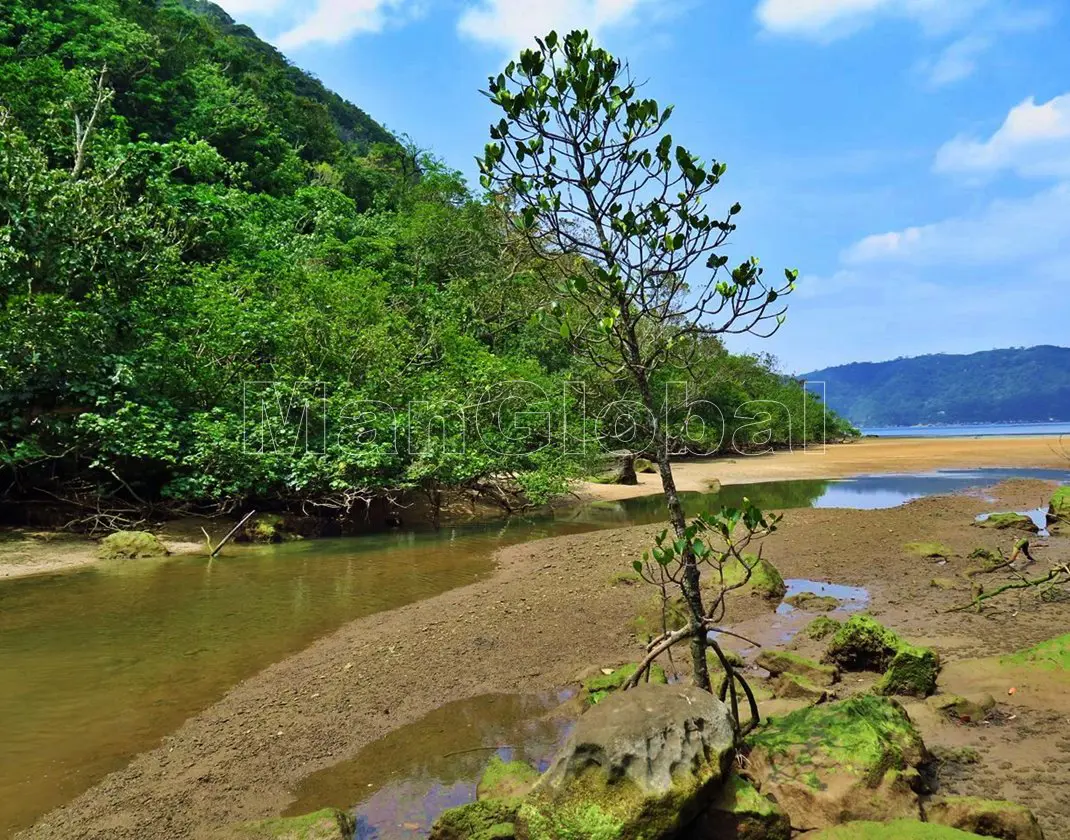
1054, 579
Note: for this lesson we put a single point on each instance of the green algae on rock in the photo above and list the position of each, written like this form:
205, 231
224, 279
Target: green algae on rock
328, 824
863, 644
778, 662
641, 765
484, 819
131, 545
740, 812
929, 550
986, 817
1059, 509
855, 759
506, 779
598, 688
812, 602
765, 578
1009, 521
912, 671
821, 628
896, 830
796, 687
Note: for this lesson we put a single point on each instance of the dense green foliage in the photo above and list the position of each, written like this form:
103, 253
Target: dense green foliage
996, 386
220, 282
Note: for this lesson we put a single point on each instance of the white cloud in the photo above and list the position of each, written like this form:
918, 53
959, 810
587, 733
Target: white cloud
1034, 141
1008, 234
322, 21
958, 60
829, 19
514, 24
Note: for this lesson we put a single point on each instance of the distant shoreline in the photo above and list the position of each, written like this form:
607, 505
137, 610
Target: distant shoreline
869, 456
970, 430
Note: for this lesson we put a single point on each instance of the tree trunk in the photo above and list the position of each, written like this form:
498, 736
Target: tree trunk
692, 588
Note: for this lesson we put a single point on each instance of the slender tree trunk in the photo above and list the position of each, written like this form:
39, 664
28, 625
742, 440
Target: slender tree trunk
692, 588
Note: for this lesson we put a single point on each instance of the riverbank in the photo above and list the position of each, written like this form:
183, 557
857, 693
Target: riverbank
26, 551
551, 610
863, 457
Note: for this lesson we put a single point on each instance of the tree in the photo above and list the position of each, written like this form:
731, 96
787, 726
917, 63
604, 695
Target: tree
598, 183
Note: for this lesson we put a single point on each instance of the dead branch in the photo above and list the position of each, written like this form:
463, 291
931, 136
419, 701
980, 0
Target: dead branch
82, 133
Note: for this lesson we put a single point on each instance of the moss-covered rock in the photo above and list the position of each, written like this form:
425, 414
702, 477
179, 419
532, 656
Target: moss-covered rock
131, 545
598, 688
963, 709
864, 644
506, 779
985, 817
821, 628
946, 584
855, 759
1059, 509
485, 819
929, 550
265, 528
812, 602
765, 579
739, 812
328, 824
1009, 521
642, 465
641, 765
795, 687
778, 662
896, 830
912, 671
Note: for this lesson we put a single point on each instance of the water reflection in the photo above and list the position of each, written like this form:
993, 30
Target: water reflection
402, 782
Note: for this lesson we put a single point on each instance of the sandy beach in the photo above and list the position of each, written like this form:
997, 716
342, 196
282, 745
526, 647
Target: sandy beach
863, 457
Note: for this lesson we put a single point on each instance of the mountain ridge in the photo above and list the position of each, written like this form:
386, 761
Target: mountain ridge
1025, 384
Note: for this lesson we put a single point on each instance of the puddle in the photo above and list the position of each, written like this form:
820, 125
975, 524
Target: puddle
1038, 515
397, 786
851, 598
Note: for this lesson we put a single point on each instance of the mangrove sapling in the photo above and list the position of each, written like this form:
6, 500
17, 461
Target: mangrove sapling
639, 285
730, 566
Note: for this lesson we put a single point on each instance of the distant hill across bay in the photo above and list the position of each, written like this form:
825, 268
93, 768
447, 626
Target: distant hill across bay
1019, 385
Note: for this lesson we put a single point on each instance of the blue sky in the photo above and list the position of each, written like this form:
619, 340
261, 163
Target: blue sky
910, 157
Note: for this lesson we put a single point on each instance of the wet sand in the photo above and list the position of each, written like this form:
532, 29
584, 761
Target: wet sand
549, 612
867, 456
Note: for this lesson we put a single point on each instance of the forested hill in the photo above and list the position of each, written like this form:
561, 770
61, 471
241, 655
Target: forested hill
222, 284
995, 386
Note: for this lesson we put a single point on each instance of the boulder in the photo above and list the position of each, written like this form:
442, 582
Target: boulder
765, 579
506, 779
778, 662
642, 763
896, 830
929, 550
642, 465
599, 687
851, 760
328, 824
1059, 509
821, 628
811, 602
912, 671
947, 584
863, 644
795, 687
485, 819
1009, 521
739, 812
131, 545
986, 817
264, 528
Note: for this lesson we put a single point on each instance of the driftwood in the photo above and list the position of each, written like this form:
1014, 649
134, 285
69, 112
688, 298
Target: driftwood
233, 531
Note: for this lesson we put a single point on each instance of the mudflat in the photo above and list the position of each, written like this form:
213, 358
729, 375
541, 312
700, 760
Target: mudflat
554, 609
